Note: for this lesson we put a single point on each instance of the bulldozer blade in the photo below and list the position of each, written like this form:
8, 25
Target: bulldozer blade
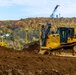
30, 44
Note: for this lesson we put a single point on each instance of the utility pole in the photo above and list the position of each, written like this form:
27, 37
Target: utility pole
40, 37
26, 40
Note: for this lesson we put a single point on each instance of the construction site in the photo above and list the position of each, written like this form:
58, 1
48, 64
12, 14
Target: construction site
30, 63
38, 46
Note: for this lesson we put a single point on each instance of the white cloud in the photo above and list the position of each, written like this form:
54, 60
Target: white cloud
22, 2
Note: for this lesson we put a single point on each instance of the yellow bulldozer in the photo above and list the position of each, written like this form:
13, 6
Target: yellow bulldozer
51, 42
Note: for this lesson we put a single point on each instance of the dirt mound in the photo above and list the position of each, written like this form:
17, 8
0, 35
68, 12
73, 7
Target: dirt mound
26, 62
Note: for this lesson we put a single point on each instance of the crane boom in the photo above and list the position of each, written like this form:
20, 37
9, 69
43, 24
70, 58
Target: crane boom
52, 15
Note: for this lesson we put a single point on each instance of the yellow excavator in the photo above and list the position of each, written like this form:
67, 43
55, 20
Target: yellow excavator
63, 38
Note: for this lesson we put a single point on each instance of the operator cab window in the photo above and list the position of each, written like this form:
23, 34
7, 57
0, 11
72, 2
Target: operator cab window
71, 32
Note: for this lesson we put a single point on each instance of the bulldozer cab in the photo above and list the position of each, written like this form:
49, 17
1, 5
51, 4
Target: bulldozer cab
65, 33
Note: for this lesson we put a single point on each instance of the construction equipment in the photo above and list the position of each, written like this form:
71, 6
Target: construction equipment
3, 43
52, 15
63, 38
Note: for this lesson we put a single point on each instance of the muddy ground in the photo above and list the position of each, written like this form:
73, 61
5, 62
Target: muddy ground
30, 63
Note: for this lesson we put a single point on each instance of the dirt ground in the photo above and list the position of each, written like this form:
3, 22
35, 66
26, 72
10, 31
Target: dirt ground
30, 63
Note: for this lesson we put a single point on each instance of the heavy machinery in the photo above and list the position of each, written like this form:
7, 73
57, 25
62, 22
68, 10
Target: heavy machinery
52, 15
3, 43
63, 38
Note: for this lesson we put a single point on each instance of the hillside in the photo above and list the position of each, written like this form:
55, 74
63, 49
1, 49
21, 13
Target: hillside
16, 29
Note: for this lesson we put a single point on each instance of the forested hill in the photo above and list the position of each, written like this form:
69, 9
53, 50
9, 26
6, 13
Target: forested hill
34, 22
14, 31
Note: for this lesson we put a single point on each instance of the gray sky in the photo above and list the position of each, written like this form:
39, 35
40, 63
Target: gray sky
17, 9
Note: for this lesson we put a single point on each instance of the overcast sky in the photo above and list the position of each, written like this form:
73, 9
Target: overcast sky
17, 9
